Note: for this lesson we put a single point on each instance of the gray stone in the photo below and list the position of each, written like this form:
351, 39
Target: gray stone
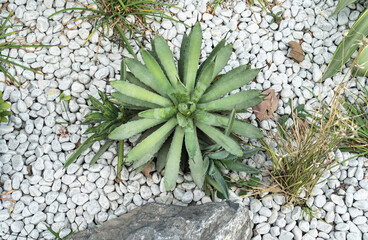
225, 220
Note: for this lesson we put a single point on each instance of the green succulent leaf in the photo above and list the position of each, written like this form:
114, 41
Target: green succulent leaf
102, 149
212, 56
162, 156
204, 80
4, 106
232, 80
182, 121
132, 79
182, 59
149, 74
341, 5
360, 68
165, 56
173, 156
230, 124
159, 113
190, 139
348, 45
250, 152
218, 155
139, 93
147, 144
224, 141
238, 166
123, 71
141, 162
132, 128
192, 52
240, 127
240, 101
197, 165
120, 156
163, 84
130, 101
220, 181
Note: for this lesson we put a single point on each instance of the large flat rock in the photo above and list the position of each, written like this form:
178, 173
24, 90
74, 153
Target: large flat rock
225, 220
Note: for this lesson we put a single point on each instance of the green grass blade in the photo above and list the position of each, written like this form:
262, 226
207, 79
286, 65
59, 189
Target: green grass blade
100, 151
137, 92
120, 156
221, 139
146, 145
83, 147
128, 46
173, 159
132, 128
232, 80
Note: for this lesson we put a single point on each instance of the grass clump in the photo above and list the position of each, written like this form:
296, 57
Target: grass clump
8, 41
303, 152
122, 17
104, 118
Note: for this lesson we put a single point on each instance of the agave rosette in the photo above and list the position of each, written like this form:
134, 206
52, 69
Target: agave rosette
175, 103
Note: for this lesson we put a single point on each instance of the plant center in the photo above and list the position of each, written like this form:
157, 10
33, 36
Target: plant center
186, 108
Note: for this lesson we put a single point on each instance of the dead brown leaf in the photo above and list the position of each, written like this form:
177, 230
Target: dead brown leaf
146, 171
296, 51
5, 6
268, 106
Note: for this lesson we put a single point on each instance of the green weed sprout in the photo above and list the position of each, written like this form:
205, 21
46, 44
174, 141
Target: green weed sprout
4, 106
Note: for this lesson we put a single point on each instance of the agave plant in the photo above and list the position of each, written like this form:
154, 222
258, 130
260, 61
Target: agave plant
184, 102
3, 107
105, 117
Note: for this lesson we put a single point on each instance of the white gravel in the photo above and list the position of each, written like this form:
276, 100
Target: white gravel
83, 196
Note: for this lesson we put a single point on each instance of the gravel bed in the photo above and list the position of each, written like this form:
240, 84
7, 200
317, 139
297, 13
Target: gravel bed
34, 146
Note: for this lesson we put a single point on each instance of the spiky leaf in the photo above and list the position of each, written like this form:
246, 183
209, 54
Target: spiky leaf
132, 128
173, 159
147, 144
